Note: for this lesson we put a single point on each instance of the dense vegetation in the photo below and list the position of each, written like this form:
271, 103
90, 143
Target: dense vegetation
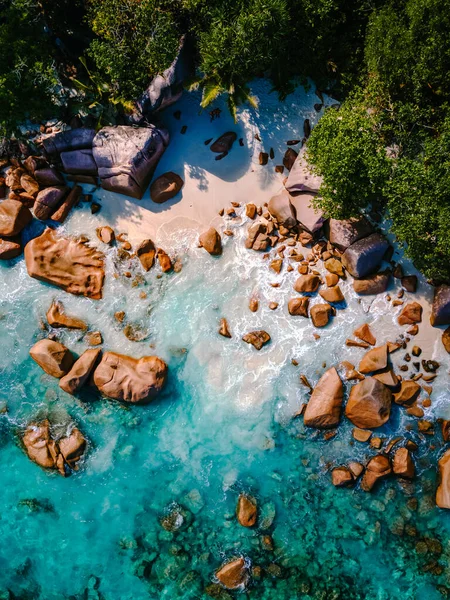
388, 61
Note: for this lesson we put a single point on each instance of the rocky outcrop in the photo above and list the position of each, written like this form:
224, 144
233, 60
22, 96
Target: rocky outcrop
137, 381
377, 468
307, 284
374, 284
165, 187
146, 253
343, 234
298, 307
258, 339
246, 511
57, 317
440, 311
14, 216
300, 178
411, 313
234, 574
374, 360
364, 256
126, 157
210, 240
369, 404
443, 490
324, 407
310, 218
54, 358
47, 201
80, 371
73, 139
281, 209
66, 263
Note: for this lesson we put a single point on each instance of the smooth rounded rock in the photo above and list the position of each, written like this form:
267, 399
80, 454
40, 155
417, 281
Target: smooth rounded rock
54, 358
79, 373
14, 216
369, 404
165, 187
324, 407
210, 240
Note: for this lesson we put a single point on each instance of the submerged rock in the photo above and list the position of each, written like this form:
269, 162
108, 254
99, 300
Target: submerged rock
369, 404
165, 187
234, 574
246, 511
14, 216
137, 381
324, 407
210, 240
80, 372
66, 263
364, 256
257, 338
54, 358
57, 317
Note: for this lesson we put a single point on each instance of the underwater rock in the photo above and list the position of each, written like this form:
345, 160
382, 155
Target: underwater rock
14, 216
301, 178
333, 295
127, 157
363, 333
174, 519
10, 248
129, 379
364, 256
369, 404
443, 490
165, 187
72, 447
210, 240
344, 233
440, 311
411, 313
307, 283
66, 263
374, 284
324, 407
409, 391
374, 360
224, 143
377, 468
281, 209
146, 253
57, 317
341, 477
48, 200
246, 511
233, 574
298, 306
135, 332
320, 314
403, 464
223, 329
257, 338
79, 373
54, 358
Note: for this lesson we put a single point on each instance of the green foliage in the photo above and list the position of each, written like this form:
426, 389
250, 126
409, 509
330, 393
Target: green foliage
137, 39
28, 74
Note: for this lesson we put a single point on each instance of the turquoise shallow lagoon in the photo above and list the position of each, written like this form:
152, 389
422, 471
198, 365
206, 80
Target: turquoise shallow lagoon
223, 425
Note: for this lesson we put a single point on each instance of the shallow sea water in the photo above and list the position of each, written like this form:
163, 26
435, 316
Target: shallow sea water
223, 425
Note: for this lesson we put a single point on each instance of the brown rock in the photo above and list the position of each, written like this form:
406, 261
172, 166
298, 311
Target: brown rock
263, 158
331, 279
289, 158
276, 265
374, 284
250, 210
146, 252
445, 338
10, 248
233, 574
165, 187
320, 314
79, 373
363, 333
333, 265
14, 216
56, 317
298, 307
54, 358
73, 447
341, 477
66, 263
257, 338
374, 360
408, 392
369, 404
307, 284
403, 464
49, 177
119, 316
356, 344
281, 209
94, 338
106, 234
409, 283
223, 329
39, 445
356, 468
332, 295
224, 142
67, 204
440, 310
411, 313
211, 242
246, 511
443, 490
48, 200
164, 260
29, 184
324, 407
377, 468
388, 378
253, 304
128, 379
361, 435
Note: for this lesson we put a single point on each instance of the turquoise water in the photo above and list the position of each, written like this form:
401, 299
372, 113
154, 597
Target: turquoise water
222, 426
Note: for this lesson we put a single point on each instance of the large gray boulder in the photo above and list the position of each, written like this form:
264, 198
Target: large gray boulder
127, 157
440, 312
309, 217
167, 88
343, 234
300, 178
281, 209
74, 139
79, 162
364, 256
